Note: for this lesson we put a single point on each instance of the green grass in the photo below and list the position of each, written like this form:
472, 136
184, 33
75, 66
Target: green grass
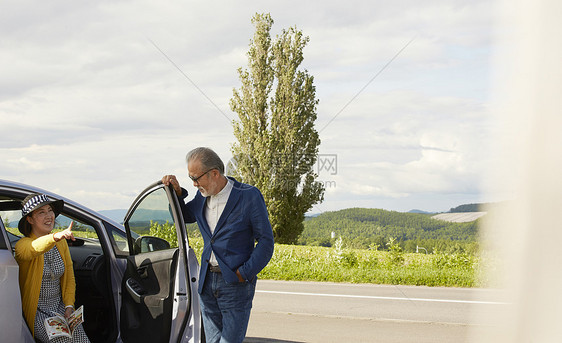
307, 263
362, 266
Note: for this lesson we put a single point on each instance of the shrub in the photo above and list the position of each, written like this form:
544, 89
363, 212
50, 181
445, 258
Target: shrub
395, 253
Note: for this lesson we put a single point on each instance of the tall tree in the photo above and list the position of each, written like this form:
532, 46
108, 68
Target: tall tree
277, 144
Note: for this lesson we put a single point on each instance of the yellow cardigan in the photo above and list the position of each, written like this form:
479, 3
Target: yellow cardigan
29, 255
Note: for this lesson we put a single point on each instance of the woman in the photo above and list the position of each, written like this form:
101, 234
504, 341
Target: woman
46, 275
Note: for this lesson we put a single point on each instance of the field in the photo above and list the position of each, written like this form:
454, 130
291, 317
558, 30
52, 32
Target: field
337, 264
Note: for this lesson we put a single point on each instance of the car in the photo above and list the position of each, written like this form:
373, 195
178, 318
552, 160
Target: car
134, 287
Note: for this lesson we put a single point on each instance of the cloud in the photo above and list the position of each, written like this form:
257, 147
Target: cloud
397, 146
23, 163
89, 106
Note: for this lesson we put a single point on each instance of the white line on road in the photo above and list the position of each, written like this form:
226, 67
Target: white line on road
389, 320
384, 298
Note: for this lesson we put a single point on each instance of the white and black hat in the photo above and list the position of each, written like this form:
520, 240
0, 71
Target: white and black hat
33, 202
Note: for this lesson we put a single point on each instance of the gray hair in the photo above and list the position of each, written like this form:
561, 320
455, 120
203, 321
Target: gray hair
208, 158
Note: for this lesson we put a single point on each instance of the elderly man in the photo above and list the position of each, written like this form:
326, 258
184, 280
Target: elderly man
232, 217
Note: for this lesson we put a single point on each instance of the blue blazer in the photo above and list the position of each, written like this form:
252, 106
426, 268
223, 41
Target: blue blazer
243, 222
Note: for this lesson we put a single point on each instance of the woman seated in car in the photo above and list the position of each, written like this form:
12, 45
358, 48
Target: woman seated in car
46, 275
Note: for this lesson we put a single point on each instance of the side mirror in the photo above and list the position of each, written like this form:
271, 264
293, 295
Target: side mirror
150, 243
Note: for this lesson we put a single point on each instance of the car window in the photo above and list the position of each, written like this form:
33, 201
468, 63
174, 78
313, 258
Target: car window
10, 215
82, 230
118, 240
79, 229
152, 223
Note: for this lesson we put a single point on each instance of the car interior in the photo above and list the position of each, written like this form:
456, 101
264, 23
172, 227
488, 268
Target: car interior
91, 268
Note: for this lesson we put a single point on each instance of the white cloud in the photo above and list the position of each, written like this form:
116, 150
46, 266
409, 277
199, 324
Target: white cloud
90, 107
23, 163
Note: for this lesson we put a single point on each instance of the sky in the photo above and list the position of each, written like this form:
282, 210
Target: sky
99, 99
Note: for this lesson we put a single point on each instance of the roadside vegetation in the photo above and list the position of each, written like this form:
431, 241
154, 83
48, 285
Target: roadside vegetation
371, 246
394, 266
381, 247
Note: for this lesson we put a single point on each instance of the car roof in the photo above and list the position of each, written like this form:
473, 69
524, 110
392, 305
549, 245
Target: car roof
26, 189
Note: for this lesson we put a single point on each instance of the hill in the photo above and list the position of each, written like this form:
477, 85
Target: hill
420, 211
480, 207
373, 228
117, 215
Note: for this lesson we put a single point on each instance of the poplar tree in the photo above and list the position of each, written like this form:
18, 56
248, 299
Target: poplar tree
277, 143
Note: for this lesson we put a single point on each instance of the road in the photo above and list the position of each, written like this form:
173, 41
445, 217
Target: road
330, 312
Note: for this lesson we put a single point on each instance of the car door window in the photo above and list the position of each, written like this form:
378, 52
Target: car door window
10, 212
10, 218
79, 229
151, 224
118, 240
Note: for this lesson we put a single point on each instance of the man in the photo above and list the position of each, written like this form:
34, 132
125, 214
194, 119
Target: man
231, 216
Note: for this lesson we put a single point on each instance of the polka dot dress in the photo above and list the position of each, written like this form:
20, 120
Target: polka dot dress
50, 299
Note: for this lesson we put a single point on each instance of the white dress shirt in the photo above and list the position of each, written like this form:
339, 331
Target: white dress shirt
215, 205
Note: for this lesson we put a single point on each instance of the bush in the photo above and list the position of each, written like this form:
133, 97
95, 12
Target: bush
459, 261
395, 253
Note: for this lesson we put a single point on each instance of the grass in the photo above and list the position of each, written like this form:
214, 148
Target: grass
336, 264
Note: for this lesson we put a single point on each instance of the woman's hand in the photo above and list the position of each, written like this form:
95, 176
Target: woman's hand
66, 234
68, 312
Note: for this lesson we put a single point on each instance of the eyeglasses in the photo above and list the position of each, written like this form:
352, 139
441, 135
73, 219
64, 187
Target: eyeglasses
196, 179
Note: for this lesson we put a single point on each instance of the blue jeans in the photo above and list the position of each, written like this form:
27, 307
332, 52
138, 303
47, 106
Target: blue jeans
226, 308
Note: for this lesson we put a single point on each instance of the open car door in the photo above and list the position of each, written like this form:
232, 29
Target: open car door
159, 288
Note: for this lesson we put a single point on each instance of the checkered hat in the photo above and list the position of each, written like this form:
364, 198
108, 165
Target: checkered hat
33, 202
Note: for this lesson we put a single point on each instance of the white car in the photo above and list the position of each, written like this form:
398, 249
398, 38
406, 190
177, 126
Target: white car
134, 287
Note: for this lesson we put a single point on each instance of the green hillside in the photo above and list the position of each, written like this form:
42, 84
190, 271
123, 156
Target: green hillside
373, 228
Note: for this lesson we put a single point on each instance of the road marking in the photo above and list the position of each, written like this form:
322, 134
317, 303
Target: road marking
387, 320
384, 298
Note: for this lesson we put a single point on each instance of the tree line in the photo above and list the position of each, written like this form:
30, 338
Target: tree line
373, 229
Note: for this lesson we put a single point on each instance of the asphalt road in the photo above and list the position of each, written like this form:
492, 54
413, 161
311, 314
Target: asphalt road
286, 312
